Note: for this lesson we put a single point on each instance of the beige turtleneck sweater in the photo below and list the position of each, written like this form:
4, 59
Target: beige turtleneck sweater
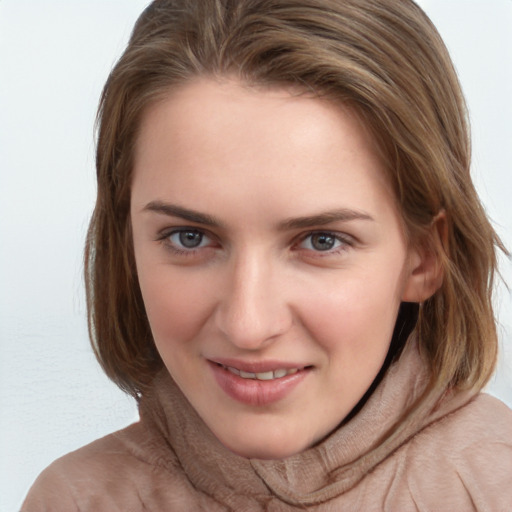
454, 456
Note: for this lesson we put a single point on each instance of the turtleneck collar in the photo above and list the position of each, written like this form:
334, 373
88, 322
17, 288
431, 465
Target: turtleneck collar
328, 469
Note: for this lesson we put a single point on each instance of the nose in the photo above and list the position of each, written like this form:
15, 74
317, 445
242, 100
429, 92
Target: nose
252, 311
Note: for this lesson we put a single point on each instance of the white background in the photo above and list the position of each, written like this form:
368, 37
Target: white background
54, 58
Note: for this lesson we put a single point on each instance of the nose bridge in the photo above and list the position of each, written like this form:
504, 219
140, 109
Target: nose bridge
252, 310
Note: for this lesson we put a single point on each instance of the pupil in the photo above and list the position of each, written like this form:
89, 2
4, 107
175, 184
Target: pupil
190, 239
322, 242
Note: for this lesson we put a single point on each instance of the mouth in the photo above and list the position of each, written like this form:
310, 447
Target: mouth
259, 383
267, 375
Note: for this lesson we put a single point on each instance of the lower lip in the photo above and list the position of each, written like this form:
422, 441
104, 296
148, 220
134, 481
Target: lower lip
253, 391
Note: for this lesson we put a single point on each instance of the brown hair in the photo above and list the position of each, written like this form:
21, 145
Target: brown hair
384, 58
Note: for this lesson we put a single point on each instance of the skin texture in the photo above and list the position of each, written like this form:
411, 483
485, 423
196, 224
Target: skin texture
258, 287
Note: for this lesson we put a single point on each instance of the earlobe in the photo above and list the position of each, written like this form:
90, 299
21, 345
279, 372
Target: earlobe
425, 269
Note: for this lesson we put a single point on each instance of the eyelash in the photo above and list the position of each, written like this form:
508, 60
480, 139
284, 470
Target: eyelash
345, 241
165, 236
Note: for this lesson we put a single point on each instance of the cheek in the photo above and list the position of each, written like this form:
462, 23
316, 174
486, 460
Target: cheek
176, 304
355, 315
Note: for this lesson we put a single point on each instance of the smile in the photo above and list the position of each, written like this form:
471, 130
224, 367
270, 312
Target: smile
258, 384
269, 375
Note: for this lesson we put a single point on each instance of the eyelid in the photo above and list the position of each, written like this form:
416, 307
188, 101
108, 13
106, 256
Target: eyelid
165, 234
346, 241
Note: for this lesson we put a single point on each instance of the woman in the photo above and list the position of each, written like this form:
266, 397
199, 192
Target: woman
290, 269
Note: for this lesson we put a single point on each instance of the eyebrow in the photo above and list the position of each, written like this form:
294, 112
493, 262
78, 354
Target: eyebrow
173, 210
339, 215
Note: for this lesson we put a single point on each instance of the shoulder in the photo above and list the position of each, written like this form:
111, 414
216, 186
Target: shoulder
483, 420
467, 453
116, 473
94, 469
484, 424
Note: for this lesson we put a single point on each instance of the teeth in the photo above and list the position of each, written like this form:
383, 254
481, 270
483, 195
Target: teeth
271, 375
265, 376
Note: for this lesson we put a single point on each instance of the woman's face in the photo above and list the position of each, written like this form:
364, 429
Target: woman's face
271, 259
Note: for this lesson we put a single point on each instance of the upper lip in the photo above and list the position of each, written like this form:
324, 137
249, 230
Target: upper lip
257, 366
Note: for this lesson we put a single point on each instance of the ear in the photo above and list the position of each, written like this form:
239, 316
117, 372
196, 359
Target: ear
425, 270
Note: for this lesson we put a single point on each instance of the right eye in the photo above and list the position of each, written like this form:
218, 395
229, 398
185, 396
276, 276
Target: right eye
186, 240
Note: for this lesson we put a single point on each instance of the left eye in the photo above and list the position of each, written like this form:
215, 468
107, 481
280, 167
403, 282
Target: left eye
321, 242
189, 239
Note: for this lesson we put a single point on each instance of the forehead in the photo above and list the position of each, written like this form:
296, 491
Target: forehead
278, 142
206, 107
220, 103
